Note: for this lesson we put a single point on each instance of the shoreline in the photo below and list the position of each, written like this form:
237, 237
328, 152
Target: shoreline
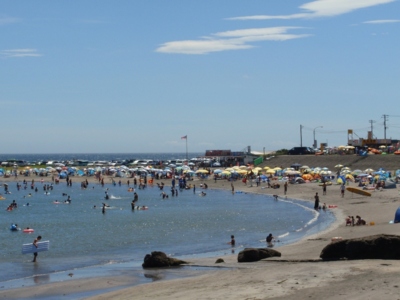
308, 248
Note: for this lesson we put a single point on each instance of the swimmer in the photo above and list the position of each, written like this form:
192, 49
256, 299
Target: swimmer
269, 240
232, 242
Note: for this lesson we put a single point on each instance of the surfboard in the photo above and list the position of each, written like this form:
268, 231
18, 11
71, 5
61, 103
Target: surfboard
358, 191
30, 248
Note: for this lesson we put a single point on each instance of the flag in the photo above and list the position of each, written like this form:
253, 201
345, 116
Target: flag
184, 137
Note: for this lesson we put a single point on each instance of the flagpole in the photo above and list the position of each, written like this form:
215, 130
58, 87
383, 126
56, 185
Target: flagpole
186, 149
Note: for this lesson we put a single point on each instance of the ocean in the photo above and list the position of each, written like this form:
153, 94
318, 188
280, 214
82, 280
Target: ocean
182, 226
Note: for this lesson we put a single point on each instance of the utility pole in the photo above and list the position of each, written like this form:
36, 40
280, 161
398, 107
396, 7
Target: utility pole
301, 135
384, 125
372, 128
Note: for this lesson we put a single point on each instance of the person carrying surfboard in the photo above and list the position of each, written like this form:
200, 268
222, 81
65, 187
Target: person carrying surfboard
35, 244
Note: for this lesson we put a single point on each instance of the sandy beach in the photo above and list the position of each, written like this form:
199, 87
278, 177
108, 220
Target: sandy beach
299, 273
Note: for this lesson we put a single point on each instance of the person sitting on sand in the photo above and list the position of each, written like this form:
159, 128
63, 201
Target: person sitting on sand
360, 221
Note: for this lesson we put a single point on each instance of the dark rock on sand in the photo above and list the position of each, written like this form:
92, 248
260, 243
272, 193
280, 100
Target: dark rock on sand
219, 260
381, 246
159, 259
256, 254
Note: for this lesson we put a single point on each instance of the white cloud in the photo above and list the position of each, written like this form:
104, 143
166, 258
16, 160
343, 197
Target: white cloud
321, 8
381, 21
229, 40
19, 53
7, 20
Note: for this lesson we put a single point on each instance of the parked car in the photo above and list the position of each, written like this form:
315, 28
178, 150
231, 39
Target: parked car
301, 151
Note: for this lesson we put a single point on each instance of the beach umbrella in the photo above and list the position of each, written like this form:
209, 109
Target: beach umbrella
241, 172
270, 171
304, 167
201, 171
369, 170
317, 170
356, 172
217, 171
225, 172
292, 172
243, 167
339, 166
345, 172
325, 172
277, 169
266, 168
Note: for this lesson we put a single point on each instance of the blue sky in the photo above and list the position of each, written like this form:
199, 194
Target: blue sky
136, 76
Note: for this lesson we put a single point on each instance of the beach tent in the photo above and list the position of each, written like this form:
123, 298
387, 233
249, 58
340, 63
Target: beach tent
390, 184
397, 216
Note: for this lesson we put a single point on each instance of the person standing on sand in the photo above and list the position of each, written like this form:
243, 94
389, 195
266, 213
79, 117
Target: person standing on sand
194, 189
342, 188
285, 187
316, 203
233, 188
35, 244
324, 188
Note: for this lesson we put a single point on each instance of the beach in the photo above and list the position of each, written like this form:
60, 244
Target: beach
297, 273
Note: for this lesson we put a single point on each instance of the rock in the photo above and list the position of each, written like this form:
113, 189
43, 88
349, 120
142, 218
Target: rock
256, 254
219, 260
381, 246
159, 259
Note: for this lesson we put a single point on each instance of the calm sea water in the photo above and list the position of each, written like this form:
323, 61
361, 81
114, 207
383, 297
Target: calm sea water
99, 156
82, 236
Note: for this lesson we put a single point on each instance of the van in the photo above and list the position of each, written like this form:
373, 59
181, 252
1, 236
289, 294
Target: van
301, 151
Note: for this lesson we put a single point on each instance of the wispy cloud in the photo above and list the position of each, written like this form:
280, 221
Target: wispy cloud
8, 20
321, 8
381, 21
19, 53
230, 40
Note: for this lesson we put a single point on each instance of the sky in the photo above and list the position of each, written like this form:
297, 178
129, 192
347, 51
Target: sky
136, 76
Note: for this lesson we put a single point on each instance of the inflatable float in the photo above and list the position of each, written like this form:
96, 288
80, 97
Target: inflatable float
30, 248
28, 230
358, 191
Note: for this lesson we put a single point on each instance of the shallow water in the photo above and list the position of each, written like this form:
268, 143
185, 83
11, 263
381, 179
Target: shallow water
82, 236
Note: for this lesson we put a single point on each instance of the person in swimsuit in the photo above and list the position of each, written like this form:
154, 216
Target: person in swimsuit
35, 244
269, 240
232, 242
